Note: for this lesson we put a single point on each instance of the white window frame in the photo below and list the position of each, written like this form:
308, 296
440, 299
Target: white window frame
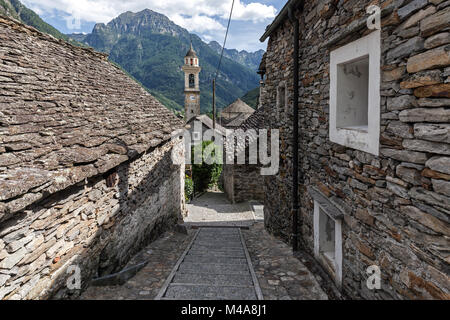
337, 241
367, 141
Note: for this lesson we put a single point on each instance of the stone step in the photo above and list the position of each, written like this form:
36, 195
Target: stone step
208, 250
215, 260
183, 292
219, 230
219, 244
213, 279
220, 233
218, 238
217, 254
191, 267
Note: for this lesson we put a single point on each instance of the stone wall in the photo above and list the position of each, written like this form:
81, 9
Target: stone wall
96, 225
228, 181
397, 204
243, 183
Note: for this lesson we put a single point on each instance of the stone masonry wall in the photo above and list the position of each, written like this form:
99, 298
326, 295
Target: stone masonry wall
243, 183
398, 203
96, 225
228, 181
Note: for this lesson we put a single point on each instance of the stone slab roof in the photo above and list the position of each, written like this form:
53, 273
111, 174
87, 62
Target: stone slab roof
208, 122
237, 121
238, 106
255, 121
66, 114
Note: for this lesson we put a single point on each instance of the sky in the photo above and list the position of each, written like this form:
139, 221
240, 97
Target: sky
206, 18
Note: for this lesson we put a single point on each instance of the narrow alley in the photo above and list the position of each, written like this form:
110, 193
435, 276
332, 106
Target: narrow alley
226, 254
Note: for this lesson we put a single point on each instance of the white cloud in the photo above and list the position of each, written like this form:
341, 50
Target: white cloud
207, 18
106, 10
197, 23
254, 11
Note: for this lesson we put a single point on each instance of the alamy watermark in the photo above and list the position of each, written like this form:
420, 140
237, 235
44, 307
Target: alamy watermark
231, 147
74, 280
374, 20
374, 280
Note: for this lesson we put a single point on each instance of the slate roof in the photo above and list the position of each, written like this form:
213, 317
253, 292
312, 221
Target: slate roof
238, 106
255, 121
207, 121
279, 19
236, 121
191, 53
66, 114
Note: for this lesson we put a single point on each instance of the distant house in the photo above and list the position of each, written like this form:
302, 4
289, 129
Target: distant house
364, 179
235, 114
87, 170
203, 123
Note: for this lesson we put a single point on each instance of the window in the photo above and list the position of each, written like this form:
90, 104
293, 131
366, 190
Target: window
328, 242
281, 99
191, 81
197, 136
355, 94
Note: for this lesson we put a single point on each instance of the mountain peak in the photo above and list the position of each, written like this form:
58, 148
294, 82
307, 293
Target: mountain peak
249, 59
145, 22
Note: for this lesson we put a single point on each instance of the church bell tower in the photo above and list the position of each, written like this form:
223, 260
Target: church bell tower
191, 85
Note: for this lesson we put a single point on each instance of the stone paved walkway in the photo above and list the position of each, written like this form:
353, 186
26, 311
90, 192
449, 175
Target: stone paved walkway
216, 266
279, 274
161, 255
214, 209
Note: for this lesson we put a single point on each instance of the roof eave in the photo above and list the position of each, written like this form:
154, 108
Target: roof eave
280, 18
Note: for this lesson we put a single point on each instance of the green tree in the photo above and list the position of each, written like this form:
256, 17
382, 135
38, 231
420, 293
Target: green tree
206, 175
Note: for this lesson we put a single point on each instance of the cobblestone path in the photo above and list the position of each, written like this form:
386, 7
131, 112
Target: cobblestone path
214, 209
215, 266
213, 254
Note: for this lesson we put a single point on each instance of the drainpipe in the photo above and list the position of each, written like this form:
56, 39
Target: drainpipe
295, 173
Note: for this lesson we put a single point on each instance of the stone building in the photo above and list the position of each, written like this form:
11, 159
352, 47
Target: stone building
86, 171
244, 182
233, 116
198, 125
372, 123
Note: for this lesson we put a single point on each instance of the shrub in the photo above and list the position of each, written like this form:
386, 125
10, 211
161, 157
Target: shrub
188, 188
206, 175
